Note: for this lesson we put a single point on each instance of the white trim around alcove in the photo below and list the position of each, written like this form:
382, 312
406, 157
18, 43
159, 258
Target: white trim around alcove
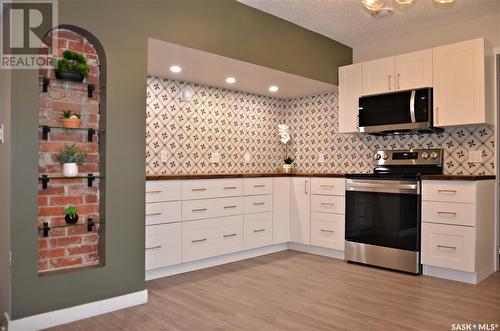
75, 313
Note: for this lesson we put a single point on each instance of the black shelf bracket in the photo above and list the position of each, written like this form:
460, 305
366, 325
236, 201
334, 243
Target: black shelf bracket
90, 90
90, 224
45, 229
90, 135
45, 84
45, 181
90, 179
45, 132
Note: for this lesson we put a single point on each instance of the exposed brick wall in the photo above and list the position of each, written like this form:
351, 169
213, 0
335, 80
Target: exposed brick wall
70, 246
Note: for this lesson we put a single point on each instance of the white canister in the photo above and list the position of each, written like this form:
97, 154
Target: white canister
70, 169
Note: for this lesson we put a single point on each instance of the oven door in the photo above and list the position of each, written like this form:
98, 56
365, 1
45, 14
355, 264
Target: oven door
383, 213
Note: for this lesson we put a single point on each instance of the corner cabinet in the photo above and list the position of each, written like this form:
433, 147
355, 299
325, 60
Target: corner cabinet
300, 222
460, 93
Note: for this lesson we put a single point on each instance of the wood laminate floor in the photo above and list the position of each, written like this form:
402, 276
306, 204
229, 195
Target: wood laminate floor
297, 291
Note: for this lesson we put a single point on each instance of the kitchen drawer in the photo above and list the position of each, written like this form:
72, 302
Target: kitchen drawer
255, 186
449, 191
448, 246
209, 208
211, 188
163, 212
448, 213
328, 230
328, 186
258, 230
328, 204
218, 236
257, 204
163, 190
163, 245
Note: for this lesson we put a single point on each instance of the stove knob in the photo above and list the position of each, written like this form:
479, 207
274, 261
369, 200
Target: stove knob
425, 155
434, 155
377, 156
386, 156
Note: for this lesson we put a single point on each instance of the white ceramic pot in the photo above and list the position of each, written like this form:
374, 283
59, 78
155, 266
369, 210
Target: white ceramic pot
70, 169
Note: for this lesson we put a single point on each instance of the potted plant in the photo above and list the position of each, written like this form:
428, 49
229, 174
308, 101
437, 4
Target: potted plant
71, 215
72, 66
71, 120
287, 166
71, 157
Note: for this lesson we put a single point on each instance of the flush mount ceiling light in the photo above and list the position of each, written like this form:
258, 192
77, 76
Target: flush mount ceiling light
230, 80
273, 88
377, 8
444, 1
403, 2
373, 5
175, 69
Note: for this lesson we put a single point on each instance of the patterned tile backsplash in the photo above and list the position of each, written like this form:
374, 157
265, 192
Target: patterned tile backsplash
234, 123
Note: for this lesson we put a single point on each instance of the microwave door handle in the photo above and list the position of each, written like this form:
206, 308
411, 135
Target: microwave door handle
412, 106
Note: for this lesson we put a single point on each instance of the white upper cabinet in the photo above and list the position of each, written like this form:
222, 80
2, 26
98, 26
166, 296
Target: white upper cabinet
459, 84
378, 76
413, 70
349, 92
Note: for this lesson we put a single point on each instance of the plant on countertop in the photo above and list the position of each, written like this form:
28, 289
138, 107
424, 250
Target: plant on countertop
71, 215
71, 120
283, 131
71, 157
72, 66
289, 160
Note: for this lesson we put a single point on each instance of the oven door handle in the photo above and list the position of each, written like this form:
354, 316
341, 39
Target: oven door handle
394, 187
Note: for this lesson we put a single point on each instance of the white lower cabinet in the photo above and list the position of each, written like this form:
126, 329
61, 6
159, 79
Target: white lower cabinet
300, 220
258, 230
448, 246
163, 245
212, 237
328, 230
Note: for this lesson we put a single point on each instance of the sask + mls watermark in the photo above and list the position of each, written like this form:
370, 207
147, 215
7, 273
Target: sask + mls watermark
24, 24
474, 327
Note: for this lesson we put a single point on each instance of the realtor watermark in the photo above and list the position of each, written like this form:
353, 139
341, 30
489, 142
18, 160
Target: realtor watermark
24, 24
474, 326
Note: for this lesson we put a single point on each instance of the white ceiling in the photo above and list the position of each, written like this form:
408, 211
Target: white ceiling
347, 22
210, 69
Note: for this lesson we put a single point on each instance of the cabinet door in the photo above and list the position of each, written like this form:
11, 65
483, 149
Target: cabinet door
349, 92
300, 225
414, 70
459, 83
378, 76
281, 209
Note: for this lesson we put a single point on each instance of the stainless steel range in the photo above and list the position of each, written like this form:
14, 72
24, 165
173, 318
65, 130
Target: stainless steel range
383, 209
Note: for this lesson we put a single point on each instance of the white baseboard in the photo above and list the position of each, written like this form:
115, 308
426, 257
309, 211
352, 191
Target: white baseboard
317, 250
214, 261
450, 274
68, 315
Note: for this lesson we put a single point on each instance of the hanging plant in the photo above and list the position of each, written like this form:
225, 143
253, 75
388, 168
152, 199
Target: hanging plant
72, 66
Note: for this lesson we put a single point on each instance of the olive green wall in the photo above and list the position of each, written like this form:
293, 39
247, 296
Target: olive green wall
224, 27
4, 195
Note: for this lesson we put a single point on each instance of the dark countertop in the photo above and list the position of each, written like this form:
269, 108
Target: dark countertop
457, 177
244, 175
300, 174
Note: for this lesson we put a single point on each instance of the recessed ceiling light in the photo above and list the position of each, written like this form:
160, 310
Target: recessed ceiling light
230, 80
175, 69
273, 88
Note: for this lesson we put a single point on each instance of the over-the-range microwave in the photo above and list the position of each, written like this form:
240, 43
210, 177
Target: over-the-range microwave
397, 113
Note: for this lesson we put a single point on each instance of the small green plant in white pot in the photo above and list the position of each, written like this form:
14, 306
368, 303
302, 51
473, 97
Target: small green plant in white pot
71, 157
287, 166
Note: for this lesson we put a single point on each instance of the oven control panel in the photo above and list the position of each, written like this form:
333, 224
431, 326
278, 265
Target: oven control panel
409, 157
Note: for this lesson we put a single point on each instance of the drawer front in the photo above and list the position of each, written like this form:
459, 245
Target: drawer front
211, 188
255, 186
449, 213
448, 246
163, 245
163, 212
257, 204
328, 204
328, 230
218, 236
209, 208
258, 230
328, 186
449, 191
163, 190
